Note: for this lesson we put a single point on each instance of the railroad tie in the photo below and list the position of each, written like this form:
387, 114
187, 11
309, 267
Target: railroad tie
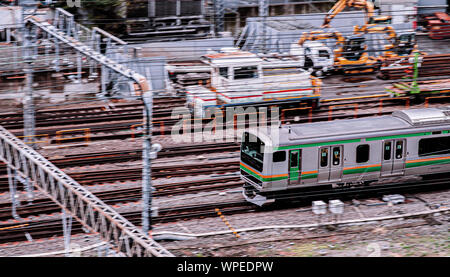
227, 223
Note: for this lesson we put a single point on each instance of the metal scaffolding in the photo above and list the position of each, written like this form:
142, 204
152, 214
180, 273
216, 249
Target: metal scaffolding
76, 200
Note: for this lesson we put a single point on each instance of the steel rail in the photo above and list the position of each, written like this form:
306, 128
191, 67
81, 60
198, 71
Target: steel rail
50, 227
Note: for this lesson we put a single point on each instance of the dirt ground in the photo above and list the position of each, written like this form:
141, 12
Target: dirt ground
416, 239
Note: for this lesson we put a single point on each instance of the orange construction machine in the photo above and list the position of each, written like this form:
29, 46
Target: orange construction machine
359, 4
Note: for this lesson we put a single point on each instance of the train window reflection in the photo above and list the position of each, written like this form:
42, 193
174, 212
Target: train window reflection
399, 150
252, 151
434, 146
336, 156
324, 157
387, 150
294, 159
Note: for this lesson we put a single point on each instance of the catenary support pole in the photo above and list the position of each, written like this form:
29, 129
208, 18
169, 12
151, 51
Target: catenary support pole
146, 171
263, 13
28, 8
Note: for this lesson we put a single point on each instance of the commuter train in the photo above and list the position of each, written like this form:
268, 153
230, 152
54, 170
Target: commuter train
278, 162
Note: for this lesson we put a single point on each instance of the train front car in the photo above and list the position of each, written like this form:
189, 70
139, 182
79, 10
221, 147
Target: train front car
283, 164
253, 167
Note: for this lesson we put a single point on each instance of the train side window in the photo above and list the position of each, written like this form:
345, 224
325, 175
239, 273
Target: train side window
362, 153
434, 146
336, 156
324, 157
279, 156
387, 150
294, 159
399, 149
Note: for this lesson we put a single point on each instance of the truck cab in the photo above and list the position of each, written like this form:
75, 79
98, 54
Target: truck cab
318, 57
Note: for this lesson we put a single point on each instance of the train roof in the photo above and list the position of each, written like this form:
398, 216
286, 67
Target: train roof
398, 122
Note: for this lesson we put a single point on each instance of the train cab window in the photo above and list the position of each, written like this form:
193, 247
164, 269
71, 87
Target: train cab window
399, 149
387, 150
252, 151
336, 156
362, 153
294, 159
434, 146
324, 157
279, 156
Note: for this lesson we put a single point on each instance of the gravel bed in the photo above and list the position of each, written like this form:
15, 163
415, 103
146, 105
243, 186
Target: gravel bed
301, 215
217, 245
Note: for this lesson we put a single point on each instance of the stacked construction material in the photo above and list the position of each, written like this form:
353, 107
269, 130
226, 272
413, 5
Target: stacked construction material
432, 65
427, 88
438, 25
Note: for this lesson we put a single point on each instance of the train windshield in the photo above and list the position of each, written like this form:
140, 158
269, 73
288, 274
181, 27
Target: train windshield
252, 151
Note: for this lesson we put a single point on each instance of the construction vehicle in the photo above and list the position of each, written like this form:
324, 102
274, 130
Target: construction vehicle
349, 54
360, 4
398, 44
243, 79
318, 57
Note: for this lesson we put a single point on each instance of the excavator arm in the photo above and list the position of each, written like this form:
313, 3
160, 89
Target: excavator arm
359, 4
320, 35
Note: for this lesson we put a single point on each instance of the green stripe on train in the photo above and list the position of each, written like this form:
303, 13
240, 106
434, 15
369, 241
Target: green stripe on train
362, 170
309, 176
424, 163
261, 178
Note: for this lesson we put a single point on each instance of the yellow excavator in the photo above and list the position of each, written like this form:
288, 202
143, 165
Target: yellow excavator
399, 45
350, 54
359, 4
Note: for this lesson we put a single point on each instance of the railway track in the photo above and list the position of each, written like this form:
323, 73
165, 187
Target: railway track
124, 125
46, 206
13, 232
124, 129
135, 173
91, 114
96, 158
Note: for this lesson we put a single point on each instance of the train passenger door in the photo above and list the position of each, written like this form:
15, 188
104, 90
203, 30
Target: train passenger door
330, 164
295, 162
393, 157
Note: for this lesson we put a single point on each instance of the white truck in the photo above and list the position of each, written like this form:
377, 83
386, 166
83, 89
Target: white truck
317, 57
239, 78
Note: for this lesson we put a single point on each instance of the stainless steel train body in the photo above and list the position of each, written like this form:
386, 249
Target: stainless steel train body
344, 152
